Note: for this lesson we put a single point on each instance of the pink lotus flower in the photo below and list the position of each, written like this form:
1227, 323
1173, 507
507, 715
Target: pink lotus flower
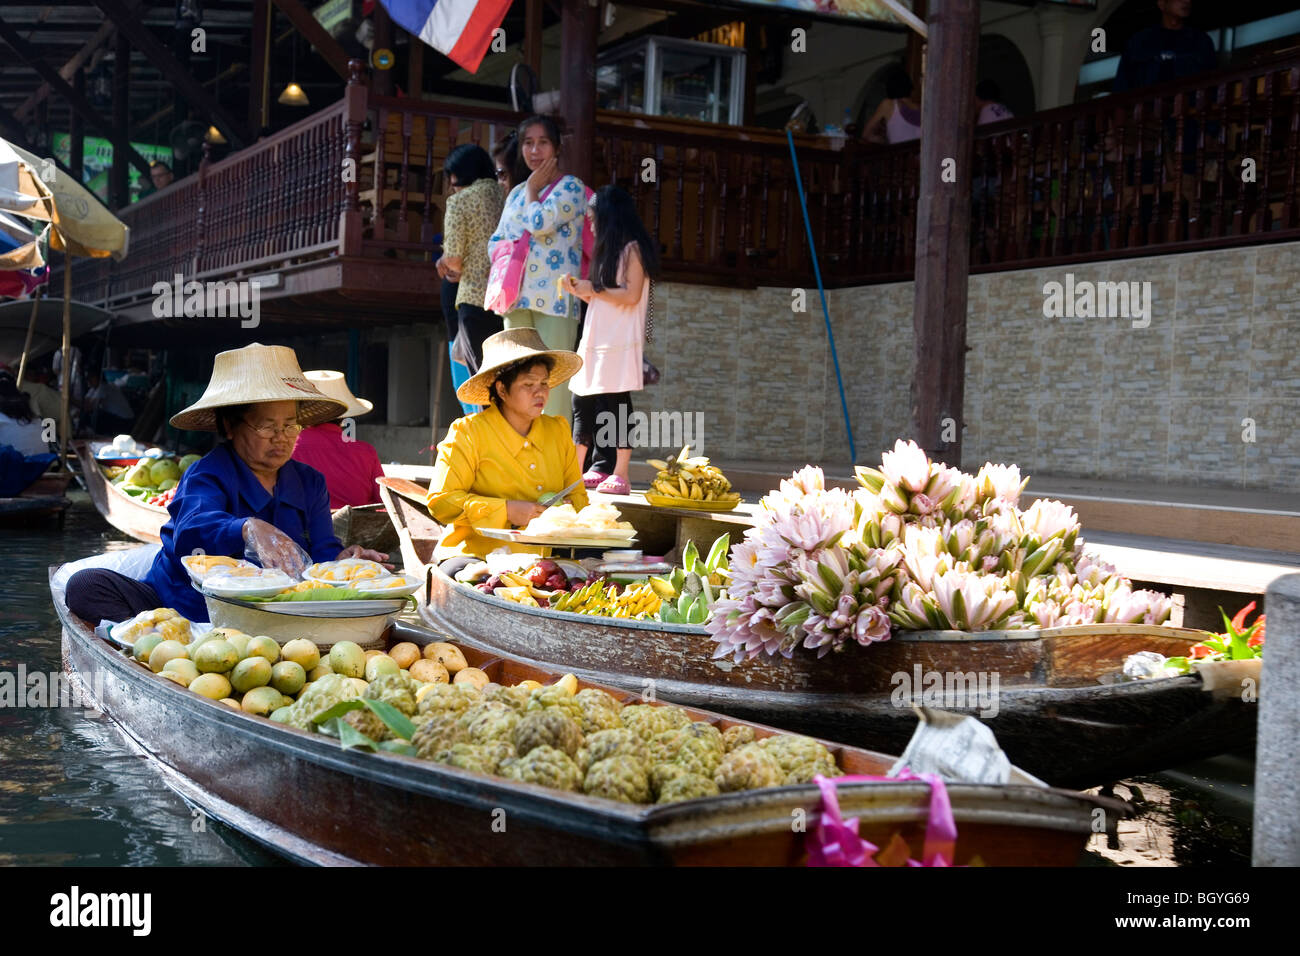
1046, 519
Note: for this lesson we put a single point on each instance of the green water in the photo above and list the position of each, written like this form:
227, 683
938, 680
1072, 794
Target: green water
72, 791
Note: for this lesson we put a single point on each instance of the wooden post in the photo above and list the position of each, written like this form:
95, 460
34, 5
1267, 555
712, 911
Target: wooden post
259, 55
354, 117
943, 229
77, 131
119, 181
533, 36
31, 328
414, 67
382, 80
578, 27
68, 367
914, 54
753, 50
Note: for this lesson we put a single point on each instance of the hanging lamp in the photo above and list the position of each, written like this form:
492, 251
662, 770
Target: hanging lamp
293, 94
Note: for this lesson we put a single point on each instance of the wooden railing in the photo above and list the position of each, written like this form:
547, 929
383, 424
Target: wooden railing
1212, 161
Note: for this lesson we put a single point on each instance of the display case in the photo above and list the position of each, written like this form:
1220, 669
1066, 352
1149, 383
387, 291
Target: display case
661, 76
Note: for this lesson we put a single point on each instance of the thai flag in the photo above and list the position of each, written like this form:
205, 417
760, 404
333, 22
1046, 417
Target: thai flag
460, 29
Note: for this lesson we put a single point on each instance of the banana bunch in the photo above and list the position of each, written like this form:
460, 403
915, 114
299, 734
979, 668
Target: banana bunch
520, 590
691, 478
638, 603
691, 590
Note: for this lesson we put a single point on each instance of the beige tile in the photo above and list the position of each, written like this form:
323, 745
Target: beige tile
1274, 358
1210, 360
1205, 445
1135, 437
1273, 459
1215, 288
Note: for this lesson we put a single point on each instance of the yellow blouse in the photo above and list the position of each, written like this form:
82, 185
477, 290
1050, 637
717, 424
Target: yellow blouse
483, 463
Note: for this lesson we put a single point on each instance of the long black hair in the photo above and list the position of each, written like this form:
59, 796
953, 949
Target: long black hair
14, 403
617, 224
470, 163
507, 157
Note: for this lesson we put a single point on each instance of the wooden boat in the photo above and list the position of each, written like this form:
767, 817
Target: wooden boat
1049, 709
42, 500
308, 799
366, 525
131, 516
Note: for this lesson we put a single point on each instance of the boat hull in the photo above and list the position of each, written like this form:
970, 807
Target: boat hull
1048, 710
133, 518
305, 797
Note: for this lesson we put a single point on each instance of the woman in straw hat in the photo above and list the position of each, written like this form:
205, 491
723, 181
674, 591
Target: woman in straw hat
494, 465
350, 466
246, 496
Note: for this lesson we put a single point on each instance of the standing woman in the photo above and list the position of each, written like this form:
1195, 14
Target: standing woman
617, 295
473, 211
551, 209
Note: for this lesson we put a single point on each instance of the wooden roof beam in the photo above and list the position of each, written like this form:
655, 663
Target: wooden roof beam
186, 83
316, 35
77, 101
66, 71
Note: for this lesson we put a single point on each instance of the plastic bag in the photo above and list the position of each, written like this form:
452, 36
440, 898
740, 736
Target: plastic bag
270, 547
835, 842
462, 350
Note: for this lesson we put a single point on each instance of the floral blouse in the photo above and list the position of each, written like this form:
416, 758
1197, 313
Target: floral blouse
472, 214
556, 246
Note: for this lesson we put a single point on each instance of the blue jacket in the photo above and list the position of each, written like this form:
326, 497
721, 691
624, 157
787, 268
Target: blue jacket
212, 501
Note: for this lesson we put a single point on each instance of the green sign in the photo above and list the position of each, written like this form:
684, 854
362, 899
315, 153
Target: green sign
97, 160
333, 14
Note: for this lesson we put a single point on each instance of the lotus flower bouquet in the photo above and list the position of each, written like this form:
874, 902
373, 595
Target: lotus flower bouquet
918, 546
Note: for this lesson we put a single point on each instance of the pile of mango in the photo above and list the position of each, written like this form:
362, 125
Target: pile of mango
150, 479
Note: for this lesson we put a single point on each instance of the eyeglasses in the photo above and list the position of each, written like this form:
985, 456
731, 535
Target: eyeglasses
501, 174
268, 432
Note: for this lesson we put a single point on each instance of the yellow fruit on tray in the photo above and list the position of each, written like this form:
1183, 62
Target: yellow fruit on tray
405, 654
448, 655
262, 700
164, 652
303, 652
472, 676
430, 672
212, 686
263, 646
216, 657
249, 673
568, 683
347, 659
381, 665
288, 677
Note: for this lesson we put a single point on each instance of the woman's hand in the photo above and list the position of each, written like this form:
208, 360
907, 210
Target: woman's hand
448, 269
274, 548
356, 551
582, 288
541, 177
519, 513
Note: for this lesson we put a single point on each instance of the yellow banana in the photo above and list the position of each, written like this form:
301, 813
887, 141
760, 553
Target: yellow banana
681, 483
695, 493
657, 464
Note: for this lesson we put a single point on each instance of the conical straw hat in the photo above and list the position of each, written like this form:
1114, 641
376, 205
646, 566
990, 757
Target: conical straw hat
257, 373
504, 349
334, 385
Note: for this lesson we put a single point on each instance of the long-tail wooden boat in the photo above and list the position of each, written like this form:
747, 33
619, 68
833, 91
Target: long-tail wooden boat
132, 517
308, 799
42, 500
366, 525
1049, 708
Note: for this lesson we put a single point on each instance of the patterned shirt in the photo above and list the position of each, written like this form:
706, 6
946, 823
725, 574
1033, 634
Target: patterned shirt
556, 246
472, 214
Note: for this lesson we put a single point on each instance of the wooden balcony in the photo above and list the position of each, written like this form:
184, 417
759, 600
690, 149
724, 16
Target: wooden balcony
1206, 163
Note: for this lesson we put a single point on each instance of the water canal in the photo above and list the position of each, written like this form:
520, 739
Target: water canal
74, 792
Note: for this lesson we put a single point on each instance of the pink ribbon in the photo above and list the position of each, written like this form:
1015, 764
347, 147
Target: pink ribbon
835, 842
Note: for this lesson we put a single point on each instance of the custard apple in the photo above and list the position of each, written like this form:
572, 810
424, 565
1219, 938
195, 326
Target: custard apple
604, 744
748, 768
737, 736
547, 728
687, 786
555, 698
488, 721
456, 698
618, 778
367, 722
516, 698
396, 689
437, 733
546, 766
800, 758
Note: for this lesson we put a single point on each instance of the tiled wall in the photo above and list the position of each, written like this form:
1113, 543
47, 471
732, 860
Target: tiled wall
1086, 397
